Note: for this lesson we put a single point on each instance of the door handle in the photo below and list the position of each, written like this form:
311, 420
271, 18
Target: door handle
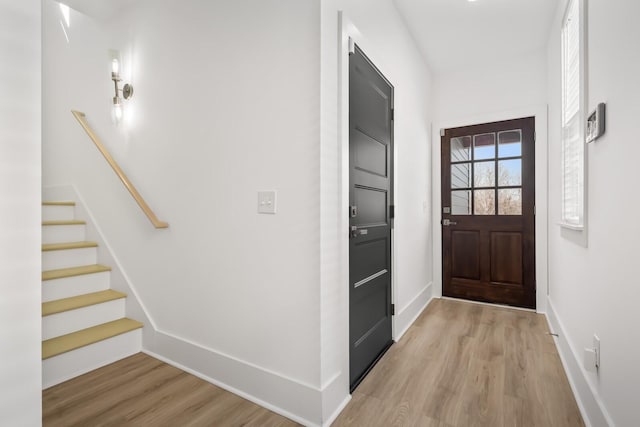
448, 222
354, 232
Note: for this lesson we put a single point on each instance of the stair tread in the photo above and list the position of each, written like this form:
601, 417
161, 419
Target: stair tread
74, 271
65, 343
79, 301
70, 245
64, 222
58, 203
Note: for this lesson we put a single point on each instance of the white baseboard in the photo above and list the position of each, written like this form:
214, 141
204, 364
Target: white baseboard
337, 411
335, 396
409, 313
285, 396
593, 411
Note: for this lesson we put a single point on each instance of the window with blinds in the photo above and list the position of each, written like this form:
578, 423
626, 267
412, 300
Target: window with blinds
572, 119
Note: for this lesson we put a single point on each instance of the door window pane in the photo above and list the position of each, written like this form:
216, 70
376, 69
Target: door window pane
509, 172
510, 201
510, 143
461, 202
484, 174
461, 149
461, 175
484, 202
484, 146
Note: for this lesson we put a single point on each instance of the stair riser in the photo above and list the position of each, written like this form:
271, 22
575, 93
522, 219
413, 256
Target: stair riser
73, 286
63, 233
53, 260
80, 361
82, 318
58, 213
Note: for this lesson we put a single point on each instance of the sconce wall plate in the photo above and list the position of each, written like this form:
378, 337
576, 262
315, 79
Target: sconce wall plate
127, 91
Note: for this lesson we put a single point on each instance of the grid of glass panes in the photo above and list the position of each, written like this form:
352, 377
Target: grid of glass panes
486, 174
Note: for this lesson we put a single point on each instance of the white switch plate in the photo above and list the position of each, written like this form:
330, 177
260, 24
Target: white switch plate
267, 202
590, 359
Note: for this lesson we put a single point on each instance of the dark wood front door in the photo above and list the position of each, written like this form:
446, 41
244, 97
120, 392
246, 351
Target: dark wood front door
370, 199
488, 212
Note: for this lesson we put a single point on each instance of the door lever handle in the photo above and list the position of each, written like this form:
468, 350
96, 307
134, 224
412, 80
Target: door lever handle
448, 222
355, 232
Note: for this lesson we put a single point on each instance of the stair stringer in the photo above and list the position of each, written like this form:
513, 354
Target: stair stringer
134, 307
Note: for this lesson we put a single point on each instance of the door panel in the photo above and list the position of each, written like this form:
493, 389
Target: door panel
506, 258
488, 196
370, 197
370, 155
465, 254
369, 258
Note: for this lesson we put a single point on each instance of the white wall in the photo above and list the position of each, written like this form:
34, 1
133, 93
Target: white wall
20, 370
226, 104
479, 89
594, 289
512, 89
378, 29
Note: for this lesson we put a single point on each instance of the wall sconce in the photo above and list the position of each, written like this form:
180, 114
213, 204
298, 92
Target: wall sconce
127, 91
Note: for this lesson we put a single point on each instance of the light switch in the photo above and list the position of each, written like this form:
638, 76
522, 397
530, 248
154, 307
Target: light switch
590, 360
267, 202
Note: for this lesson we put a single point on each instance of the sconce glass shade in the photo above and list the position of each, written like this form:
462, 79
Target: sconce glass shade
115, 66
116, 113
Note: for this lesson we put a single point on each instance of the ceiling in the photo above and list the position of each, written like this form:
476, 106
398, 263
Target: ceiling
456, 33
450, 33
102, 10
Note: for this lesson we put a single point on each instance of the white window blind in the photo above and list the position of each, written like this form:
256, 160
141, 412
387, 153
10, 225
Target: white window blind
572, 119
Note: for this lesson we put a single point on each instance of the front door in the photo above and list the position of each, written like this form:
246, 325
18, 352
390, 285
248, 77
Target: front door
370, 199
488, 212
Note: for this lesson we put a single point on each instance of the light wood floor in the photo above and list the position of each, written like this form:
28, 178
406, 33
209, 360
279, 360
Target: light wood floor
459, 365
142, 391
464, 364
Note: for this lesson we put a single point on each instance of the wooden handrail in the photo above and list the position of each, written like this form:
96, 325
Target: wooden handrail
138, 198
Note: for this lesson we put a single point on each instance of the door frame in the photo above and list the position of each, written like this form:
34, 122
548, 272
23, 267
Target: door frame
540, 114
349, 31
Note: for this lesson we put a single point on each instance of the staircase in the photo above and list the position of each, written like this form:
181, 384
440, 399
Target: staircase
83, 321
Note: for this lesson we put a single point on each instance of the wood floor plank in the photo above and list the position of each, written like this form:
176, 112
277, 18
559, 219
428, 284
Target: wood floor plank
459, 365
106, 380
464, 365
143, 391
105, 401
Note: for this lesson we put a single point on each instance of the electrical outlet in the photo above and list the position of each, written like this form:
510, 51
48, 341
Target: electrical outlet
267, 202
596, 348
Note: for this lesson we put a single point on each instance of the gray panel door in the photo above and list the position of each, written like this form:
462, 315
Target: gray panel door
370, 199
